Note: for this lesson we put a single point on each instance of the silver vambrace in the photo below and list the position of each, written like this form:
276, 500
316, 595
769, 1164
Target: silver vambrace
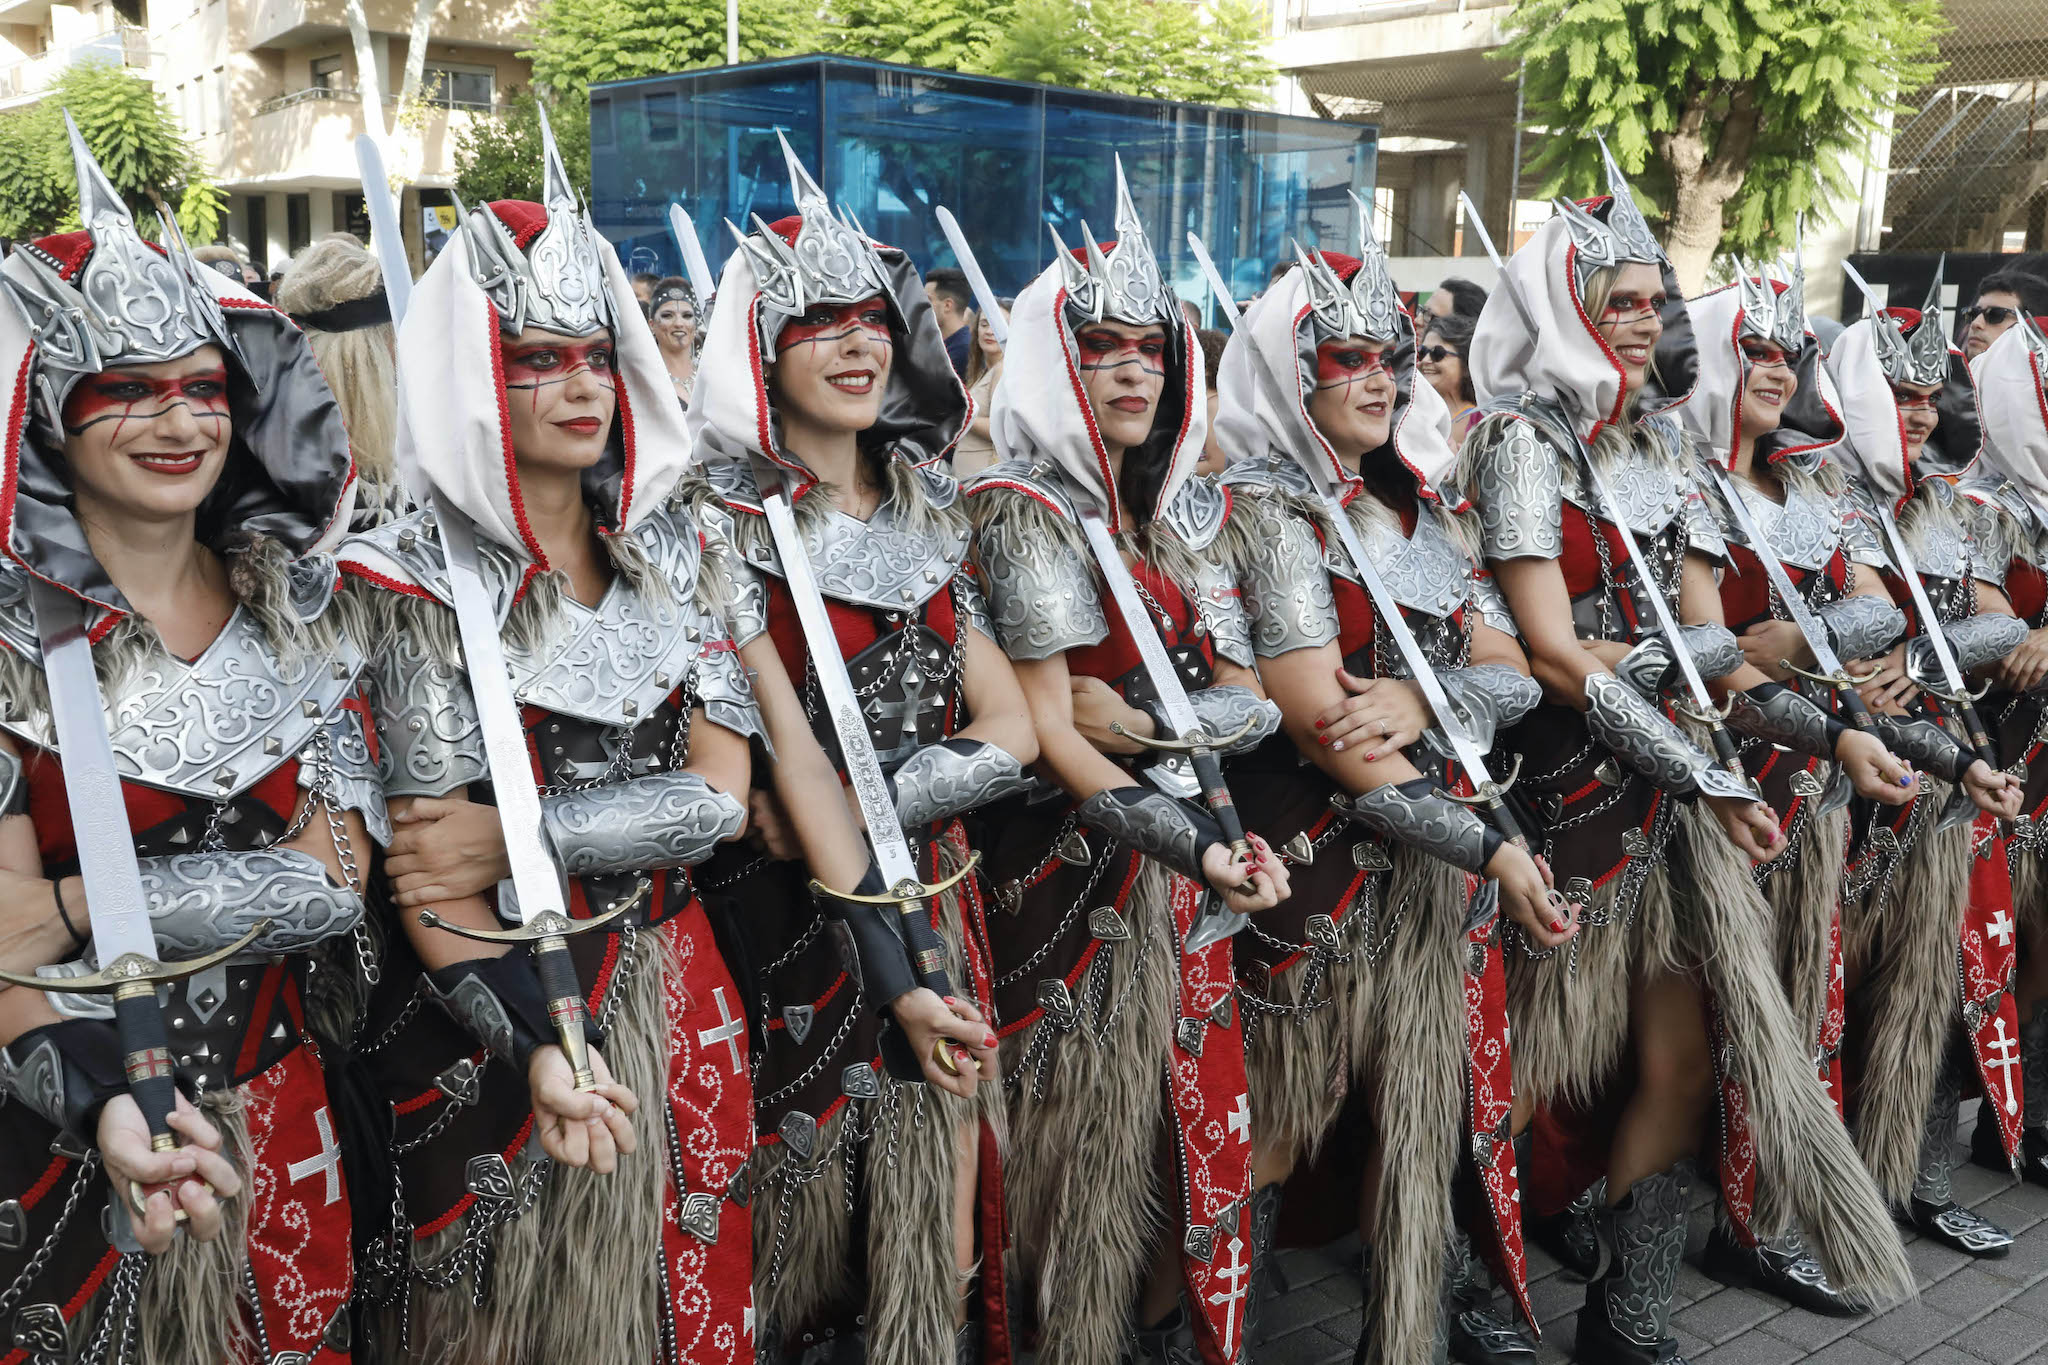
1975, 641
1492, 697
1649, 668
1223, 710
1924, 744
952, 776
199, 902
1861, 627
663, 820
1153, 823
1774, 712
1415, 814
1645, 740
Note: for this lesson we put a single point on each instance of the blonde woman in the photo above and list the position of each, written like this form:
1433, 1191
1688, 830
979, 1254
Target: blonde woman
335, 292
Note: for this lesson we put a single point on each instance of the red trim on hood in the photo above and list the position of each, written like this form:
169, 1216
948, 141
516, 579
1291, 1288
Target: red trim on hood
1066, 342
1191, 381
2040, 396
627, 449
1741, 387
497, 351
10, 473
354, 570
984, 485
67, 251
801, 478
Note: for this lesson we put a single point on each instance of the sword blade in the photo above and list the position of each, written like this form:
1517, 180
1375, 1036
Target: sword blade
971, 268
694, 264
1929, 622
92, 784
536, 878
1774, 569
385, 234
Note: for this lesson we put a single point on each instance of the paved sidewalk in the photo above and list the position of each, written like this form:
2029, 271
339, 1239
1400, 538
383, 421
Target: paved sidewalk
1969, 1312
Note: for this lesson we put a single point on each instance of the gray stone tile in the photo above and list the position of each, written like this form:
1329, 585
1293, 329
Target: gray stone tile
2026, 1263
2033, 1302
1972, 1182
1947, 1355
1908, 1330
1968, 1294
2006, 1335
1932, 1261
1810, 1331
1849, 1351
1695, 1284
1729, 1313
1560, 1296
1309, 1346
2031, 1196
1751, 1348
1302, 1307
2008, 1212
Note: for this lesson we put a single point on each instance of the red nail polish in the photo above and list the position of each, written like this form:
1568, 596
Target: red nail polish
1321, 723
1372, 758
989, 1041
1557, 926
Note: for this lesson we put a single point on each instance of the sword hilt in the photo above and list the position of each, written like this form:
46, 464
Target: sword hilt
549, 934
1185, 744
134, 970
927, 952
1845, 681
1492, 795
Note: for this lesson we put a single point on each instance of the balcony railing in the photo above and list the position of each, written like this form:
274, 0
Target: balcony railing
125, 45
348, 93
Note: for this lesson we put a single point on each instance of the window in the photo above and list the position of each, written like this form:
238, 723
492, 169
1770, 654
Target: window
198, 119
458, 87
325, 72
298, 223
664, 110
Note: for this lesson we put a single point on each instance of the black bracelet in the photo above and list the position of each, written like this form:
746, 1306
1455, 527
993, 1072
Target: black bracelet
78, 940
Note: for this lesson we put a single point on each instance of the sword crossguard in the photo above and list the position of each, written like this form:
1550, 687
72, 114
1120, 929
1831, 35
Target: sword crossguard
1491, 791
545, 925
1966, 697
132, 973
1201, 739
1845, 680
1710, 715
905, 891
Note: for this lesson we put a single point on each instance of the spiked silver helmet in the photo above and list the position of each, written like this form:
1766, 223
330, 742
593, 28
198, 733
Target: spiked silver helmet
831, 261
557, 283
1369, 306
1773, 314
1124, 286
1624, 237
127, 304
1923, 357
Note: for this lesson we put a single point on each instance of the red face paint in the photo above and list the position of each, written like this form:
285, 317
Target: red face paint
831, 323
124, 396
1909, 401
1628, 307
1347, 362
1102, 349
1764, 353
532, 367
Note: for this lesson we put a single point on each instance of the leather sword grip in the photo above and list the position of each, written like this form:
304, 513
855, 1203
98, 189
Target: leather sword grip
557, 971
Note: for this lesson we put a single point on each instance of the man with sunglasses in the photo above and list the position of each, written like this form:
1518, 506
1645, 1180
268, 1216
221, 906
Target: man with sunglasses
2000, 297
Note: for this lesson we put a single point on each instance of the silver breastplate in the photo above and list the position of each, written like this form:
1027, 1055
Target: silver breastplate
1650, 494
1426, 571
1805, 530
216, 726
879, 563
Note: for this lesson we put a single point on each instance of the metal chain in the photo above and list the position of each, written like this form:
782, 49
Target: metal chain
87, 1165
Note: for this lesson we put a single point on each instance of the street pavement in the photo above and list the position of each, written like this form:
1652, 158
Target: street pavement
1969, 1312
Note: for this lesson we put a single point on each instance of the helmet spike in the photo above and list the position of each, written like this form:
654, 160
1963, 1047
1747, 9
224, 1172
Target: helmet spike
99, 204
1122, 284
556, 190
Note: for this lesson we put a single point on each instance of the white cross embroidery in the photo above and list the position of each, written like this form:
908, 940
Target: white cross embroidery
1240, 1119
2001, 928
329, 1160
1228, 1297
728, 1031
2005, 1056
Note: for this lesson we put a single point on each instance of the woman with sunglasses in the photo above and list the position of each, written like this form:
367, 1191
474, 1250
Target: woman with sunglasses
1441, 359
1923, 940
1667, 1005
1380, 976
1765, 411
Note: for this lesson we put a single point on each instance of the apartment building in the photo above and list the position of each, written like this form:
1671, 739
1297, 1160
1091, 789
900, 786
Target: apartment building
1964, 168
270, 93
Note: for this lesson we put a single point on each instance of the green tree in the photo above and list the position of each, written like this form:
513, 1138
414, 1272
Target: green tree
1157, 49
1737, 112
130, 128
499, 158
578, 43
948, 35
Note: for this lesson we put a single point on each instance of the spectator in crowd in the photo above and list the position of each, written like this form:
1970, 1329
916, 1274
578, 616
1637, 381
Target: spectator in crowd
1456, 295
976, 450
644, 285
255, 280
1192, 312
673, 316
952, 302
1441, 358
335, 293
1213, 343
224, 259
2001, 297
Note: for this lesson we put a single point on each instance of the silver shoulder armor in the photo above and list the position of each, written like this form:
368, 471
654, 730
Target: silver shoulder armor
1287, 597
429, 739
1197, 511
349, 776
1702, 528
1935, 527
13, 790
1041, 592
1516, 484
1220, 603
